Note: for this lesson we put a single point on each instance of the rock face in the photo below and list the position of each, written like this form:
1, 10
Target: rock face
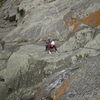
28, 72
45, 19
80, 81
79, 39
28, 57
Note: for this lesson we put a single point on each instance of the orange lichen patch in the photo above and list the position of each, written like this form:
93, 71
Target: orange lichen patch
76, 25
63, 88
92, 20
97, 97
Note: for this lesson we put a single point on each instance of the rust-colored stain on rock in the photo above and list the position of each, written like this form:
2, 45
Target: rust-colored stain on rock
63, 88
97, 97
92, 20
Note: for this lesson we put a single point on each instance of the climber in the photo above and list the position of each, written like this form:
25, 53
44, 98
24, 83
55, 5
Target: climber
50, 46
2, 42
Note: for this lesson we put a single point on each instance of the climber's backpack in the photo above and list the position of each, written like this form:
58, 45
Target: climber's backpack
47, 42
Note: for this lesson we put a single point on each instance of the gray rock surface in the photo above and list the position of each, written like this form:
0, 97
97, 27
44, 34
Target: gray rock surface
79, 39
2, 64
80, 81
27, 56
27, 71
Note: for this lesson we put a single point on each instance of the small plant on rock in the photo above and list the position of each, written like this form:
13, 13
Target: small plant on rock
23, 40
79, 57
86, 55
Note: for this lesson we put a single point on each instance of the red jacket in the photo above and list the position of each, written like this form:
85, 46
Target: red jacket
51, 47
